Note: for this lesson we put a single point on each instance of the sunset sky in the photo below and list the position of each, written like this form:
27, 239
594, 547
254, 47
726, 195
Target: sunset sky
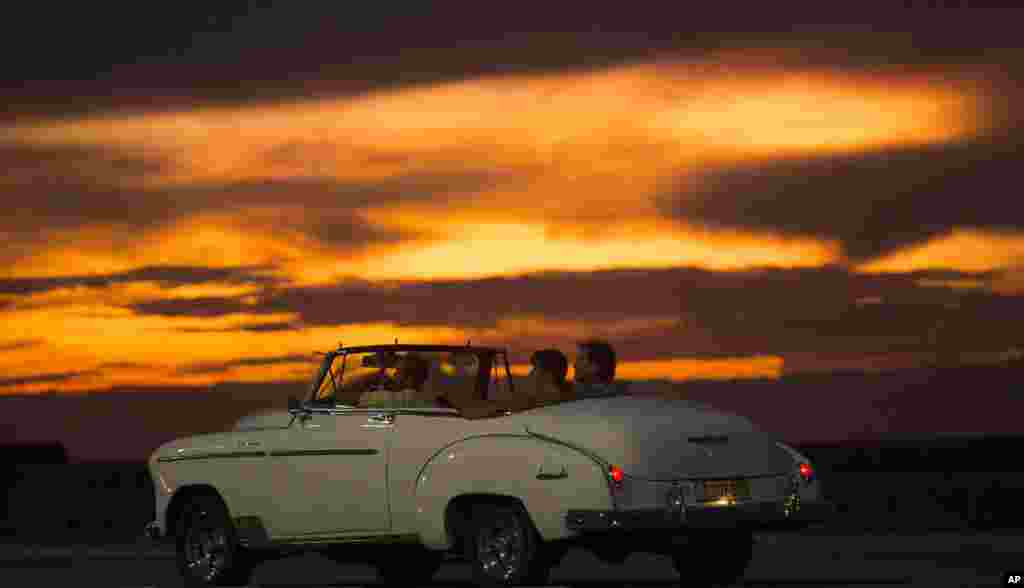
195, 198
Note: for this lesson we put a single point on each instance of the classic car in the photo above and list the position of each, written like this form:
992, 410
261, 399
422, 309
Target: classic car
464, 469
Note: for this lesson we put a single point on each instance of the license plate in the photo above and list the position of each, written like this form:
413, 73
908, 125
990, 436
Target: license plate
726, 490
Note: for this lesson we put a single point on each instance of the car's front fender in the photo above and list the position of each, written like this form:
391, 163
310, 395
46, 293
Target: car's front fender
549, 478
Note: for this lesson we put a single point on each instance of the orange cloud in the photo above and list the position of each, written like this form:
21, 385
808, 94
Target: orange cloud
683, 369
964, 251
577, 150
563, 169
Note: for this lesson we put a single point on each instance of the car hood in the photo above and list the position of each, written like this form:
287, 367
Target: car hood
663, 439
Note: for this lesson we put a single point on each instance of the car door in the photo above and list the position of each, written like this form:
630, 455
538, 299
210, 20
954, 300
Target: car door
329, 473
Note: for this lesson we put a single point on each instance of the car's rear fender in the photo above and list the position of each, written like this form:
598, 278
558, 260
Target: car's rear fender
549, 478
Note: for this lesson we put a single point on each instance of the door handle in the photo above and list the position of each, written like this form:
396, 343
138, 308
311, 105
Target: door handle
380, 419
249, 443
548, 475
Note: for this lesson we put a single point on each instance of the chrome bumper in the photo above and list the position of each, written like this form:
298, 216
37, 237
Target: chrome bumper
751, 514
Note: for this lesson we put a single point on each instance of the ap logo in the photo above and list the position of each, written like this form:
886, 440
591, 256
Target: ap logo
1013, 580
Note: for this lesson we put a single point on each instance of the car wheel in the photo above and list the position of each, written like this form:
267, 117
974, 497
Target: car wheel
505, 547
714, 558
408, 565
208, 553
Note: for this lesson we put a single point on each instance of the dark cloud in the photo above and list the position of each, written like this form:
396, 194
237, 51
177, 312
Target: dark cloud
328, 194
32, 164
203, 306
241, 52
716, 314
167, 276
53, 377
873, 203
269, 327
47, 189
59, 188
217, 367
20, 344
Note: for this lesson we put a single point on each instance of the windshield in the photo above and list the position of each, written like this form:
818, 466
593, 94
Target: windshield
403, 379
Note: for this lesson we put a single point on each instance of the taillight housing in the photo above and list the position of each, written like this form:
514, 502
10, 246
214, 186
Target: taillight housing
806, 472
615, 474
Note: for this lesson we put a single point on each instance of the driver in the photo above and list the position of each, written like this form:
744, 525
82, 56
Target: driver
383, 361
407, 389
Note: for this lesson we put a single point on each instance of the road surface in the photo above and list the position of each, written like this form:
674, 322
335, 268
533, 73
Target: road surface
780, 560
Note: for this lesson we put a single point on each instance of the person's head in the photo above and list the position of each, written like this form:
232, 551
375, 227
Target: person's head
412, 371
551, 361
385, 359
595, 362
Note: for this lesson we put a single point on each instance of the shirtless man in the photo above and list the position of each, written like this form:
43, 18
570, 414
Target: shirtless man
594, 370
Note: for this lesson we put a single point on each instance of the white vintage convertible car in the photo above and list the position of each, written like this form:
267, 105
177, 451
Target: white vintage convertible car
463, 468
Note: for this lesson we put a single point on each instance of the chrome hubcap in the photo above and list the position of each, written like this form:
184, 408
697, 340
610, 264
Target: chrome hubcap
500, 549
205, 548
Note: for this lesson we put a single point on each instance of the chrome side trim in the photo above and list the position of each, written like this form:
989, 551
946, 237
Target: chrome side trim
211, 455
317, 539
343, 410
315, 452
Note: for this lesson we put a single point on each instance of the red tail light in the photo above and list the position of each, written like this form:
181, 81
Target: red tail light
615, 473
806, 472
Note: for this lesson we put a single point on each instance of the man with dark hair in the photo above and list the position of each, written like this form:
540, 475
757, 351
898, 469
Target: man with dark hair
594, 370
549, 367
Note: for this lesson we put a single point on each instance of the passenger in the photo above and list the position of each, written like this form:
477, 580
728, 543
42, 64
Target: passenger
544, 385
407, 389
549, 367
383, 361
594, 370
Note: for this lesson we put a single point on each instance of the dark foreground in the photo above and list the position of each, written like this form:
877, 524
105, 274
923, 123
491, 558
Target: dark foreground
786, 559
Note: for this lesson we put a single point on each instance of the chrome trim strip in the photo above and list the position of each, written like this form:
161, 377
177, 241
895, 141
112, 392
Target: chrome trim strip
267, 428
703, 478
335, 538
315, 452
211, 455
343, 410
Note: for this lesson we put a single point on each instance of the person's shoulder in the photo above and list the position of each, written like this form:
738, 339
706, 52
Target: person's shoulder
584, 390
599, 389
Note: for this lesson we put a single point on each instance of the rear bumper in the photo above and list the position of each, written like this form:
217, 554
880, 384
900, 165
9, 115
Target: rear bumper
757, 515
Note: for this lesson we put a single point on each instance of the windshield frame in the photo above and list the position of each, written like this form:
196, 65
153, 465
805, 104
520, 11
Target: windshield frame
321, 373
488, 360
